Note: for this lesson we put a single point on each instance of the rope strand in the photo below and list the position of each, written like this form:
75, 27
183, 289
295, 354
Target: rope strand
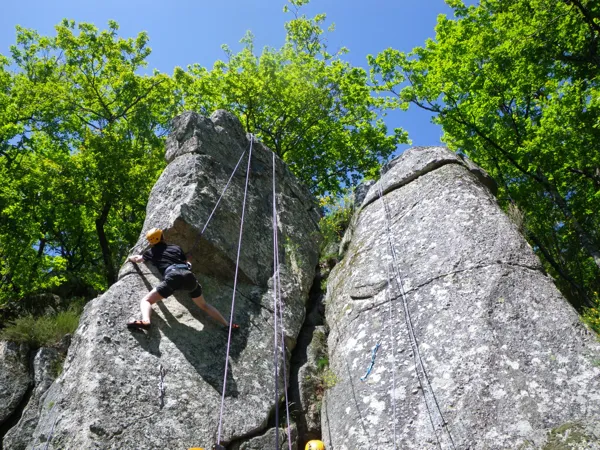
275, 318
218, 202
237, 264
280, 307
388, 297
419, 365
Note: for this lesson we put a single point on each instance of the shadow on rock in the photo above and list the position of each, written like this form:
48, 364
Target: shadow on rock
204, 349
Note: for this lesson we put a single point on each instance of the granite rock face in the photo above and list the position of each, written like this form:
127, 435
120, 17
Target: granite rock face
162, 389
15, 378
46, 363
478, 349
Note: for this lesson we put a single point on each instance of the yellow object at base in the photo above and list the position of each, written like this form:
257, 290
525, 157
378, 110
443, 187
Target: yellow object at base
314, 445
196, 448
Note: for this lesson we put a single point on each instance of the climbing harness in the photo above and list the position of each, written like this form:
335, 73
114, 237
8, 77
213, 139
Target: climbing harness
278, 307
421, 373
161, 384
237, 265
373, 355
219, 200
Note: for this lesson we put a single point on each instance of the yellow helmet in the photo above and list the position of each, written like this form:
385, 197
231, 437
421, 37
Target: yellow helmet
154, 236
314, 445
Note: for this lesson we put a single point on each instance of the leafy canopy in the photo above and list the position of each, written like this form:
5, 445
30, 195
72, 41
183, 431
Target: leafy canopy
312, 108
82, 130
81, 146
515, 86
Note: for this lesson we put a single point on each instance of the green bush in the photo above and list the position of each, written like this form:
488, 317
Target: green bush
591, 316
42, 331
338, 214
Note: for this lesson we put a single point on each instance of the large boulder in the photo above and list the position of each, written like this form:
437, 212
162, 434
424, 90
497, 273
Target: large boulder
162, 389
478, 349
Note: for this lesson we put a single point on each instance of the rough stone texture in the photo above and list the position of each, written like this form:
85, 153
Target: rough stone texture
108, 396
14, 377
420, 160
267, 441
506, 359
307, 386
361, 192
46, 364
311, 404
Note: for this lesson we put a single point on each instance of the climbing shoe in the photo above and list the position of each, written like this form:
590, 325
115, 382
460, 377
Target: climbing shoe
235, 327
138, 325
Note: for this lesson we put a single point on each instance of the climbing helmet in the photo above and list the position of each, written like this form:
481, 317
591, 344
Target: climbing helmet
314, 445
154, 236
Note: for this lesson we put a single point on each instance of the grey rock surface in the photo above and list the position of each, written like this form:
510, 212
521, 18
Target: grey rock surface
15, 378
309, 385
269, 441
361, 192
494, 358
46, 365
162, 389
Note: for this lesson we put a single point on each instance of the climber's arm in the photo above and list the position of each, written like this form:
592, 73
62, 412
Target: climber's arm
135, 258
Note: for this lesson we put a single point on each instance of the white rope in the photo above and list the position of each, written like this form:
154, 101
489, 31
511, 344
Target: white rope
218, 202
419, 365
388, 297
277, 278
275, 315
237, 264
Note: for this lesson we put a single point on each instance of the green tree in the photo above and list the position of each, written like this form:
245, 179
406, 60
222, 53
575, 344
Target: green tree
514, 84
81, 156
312, 108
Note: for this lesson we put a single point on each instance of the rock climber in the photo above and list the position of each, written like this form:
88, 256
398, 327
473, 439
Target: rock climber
175, 268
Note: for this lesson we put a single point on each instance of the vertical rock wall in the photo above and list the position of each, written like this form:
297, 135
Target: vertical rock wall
162, 389
494, 358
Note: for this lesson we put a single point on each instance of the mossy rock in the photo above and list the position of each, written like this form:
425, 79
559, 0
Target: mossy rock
574, 435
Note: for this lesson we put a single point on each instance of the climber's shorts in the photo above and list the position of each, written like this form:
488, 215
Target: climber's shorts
177, 278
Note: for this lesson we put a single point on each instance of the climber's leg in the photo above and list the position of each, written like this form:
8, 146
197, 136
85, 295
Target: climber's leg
210, 310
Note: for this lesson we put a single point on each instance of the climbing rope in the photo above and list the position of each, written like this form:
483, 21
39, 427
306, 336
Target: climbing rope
237, 264
275, 315
373, 355
218, 201
278, 307
388, 298
419, 365
51, 433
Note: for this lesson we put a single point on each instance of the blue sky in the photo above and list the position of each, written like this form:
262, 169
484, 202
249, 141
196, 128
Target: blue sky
184, 31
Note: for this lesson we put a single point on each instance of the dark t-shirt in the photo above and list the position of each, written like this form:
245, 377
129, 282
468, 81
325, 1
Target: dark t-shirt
162, 255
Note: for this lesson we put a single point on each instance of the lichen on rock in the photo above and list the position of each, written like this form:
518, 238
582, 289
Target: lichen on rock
108, 394
478, 349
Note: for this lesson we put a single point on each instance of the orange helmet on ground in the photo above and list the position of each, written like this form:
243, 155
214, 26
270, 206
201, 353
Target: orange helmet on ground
154, 236
314, 445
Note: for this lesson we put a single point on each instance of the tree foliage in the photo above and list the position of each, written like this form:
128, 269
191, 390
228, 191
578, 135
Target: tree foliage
312, 108
80, 140
515, 86
82, 131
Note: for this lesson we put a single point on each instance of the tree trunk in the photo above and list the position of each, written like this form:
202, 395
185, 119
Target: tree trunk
109, 269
